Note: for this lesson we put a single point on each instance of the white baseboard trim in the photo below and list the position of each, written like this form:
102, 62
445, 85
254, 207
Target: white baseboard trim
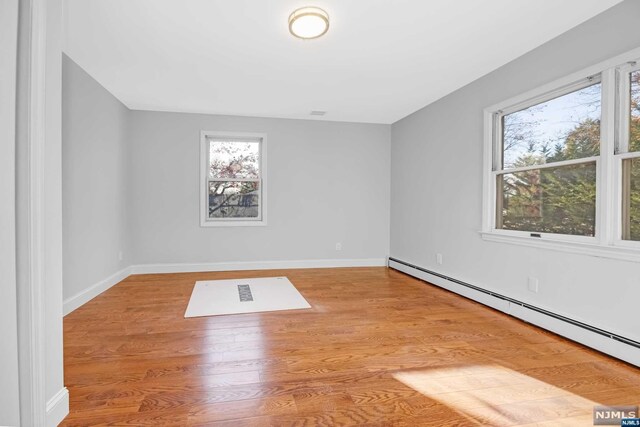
57, 408
257, 265
88, 294
605, 344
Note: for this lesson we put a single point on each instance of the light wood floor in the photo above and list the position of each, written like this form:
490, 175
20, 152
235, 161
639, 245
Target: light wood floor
379, 348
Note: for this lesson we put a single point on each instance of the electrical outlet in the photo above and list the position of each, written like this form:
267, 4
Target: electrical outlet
120, 256
439, 259
533, 284
338, 246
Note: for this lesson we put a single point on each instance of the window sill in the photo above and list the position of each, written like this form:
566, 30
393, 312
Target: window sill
591, 249
206, 224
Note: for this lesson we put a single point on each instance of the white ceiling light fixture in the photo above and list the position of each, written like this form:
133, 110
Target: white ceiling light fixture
308, 22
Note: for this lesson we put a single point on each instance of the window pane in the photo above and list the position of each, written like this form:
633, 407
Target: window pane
552, 200
564, 128
634, 122
631, 199
233, 199
234, 159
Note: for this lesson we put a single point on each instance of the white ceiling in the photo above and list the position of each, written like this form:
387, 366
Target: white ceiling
380, 61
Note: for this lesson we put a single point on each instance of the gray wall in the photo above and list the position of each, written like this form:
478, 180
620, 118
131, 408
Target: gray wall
95, 181
436, 188
328, 182
131, 184
9, 392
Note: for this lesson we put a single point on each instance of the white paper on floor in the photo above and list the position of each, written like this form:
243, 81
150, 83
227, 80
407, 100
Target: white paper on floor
235, 296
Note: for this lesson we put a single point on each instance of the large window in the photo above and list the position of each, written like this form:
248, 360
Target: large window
232, 176
562, 164
629, 151
546, 174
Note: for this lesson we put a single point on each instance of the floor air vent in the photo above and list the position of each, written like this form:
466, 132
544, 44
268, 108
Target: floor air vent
245, 293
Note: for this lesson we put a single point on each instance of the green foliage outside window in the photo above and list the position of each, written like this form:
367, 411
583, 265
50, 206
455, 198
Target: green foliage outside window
553, 199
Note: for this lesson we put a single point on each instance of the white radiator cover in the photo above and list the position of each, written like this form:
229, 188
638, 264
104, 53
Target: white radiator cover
607, 345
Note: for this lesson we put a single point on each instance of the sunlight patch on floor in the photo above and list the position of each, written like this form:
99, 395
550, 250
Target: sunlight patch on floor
498, 395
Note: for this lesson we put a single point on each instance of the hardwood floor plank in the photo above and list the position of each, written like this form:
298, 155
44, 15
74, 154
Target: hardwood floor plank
377, 348
199, 414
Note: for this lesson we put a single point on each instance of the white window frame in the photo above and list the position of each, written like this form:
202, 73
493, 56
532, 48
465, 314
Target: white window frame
621, 147
205, 221
607, 241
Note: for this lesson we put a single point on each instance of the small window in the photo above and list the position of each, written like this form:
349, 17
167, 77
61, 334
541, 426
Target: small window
233, 170
545, 163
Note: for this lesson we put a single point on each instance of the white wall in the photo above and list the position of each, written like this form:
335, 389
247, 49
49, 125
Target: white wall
54, 380
39, 213
436, 188
328, 182
9, 392
95, 181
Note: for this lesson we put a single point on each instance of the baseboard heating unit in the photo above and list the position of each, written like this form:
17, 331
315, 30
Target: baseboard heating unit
607, 342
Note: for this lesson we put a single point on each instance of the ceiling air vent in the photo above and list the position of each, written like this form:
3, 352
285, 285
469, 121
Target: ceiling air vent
318, 113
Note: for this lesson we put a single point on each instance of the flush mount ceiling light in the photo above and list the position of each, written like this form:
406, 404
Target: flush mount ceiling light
308, 22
